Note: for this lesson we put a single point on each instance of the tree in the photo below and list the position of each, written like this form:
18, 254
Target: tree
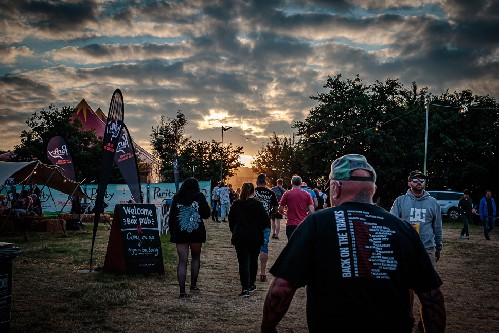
167, 139
204, 157
386, 123
463, 142
276, 159
85, 147
353, 117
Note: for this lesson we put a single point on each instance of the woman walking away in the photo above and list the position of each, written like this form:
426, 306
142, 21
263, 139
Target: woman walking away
187, 230
247, 219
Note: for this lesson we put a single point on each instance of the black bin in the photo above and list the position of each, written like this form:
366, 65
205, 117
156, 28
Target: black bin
7, 253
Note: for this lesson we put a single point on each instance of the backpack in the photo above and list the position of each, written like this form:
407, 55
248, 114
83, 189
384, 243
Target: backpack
320, 202
279, 192
216, 195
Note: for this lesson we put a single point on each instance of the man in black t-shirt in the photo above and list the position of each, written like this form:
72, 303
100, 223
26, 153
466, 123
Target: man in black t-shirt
358, 262
269, 200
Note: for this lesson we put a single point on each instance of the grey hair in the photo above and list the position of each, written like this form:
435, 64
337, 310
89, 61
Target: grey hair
296, 180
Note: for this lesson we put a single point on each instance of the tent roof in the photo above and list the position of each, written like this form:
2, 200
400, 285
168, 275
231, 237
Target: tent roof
7, 156
89, 119
37, 172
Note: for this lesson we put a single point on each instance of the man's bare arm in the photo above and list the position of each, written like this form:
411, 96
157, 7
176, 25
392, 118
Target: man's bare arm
276, 303
433, 311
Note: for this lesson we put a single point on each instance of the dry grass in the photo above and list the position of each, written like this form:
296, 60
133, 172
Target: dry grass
50, 294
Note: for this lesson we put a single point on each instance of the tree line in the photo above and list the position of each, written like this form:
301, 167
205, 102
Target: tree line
384, 121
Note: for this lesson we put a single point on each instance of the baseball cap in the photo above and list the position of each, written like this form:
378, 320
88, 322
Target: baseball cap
416, 173
344, 165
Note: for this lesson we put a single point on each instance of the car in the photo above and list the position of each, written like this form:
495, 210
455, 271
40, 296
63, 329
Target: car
448, 201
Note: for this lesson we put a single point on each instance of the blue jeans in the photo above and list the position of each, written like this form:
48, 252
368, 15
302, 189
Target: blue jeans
224, 210
266, 236
488, 225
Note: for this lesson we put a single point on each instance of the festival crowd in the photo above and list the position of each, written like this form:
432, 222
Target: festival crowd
360, 263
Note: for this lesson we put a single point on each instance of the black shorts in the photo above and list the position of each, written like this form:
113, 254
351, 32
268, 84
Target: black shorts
277, 216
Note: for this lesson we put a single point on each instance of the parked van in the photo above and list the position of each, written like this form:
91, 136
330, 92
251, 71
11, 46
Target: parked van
448, 201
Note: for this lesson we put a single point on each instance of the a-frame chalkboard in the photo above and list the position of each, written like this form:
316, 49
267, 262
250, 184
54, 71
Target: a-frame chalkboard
134, 242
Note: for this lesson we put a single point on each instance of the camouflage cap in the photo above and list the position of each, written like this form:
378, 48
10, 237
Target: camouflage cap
344, 165
416, 173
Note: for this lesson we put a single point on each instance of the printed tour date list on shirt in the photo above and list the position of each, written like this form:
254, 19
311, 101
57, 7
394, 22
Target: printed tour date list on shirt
364, 248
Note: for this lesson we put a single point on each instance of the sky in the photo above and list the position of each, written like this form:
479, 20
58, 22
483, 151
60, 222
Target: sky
248, 65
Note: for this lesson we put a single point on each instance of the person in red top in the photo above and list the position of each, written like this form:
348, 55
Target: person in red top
299, 205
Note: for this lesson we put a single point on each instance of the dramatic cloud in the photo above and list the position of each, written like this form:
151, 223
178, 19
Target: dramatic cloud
251, 65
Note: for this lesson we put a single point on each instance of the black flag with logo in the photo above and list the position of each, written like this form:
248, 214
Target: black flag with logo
126, 160
114, 123
59, 155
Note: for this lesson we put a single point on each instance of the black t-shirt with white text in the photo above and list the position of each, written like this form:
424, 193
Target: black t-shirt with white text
267, 197
358, 262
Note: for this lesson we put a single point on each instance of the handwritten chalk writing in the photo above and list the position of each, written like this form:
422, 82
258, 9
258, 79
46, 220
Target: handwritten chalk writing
129, 221
145, 251
140, 234
134, 210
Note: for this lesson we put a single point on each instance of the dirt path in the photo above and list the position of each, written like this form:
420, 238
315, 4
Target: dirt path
469, 270
218, 308
50, 295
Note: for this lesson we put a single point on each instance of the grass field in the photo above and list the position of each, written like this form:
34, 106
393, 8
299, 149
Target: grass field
53, 290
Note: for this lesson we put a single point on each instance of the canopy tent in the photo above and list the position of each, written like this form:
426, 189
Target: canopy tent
37, 172
7, 156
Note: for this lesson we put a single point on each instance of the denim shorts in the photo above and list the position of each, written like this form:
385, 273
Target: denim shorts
266, 236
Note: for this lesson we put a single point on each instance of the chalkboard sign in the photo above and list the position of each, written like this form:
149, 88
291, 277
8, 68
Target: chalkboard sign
134, 244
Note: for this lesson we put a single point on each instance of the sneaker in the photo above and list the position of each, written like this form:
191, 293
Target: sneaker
252, 288
276, 237
244, 294
194, 288
273, 236
462, 237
